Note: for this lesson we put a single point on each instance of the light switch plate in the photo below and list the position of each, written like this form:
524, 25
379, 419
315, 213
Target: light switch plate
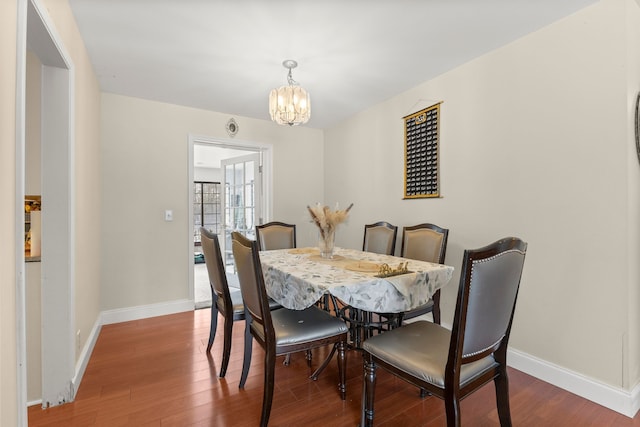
168, 215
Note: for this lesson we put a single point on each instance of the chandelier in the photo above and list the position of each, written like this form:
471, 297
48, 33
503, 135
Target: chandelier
289, 105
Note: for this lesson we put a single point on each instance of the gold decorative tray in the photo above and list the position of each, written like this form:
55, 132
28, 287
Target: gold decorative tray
386, 271
363, 266
304, 251
317, 257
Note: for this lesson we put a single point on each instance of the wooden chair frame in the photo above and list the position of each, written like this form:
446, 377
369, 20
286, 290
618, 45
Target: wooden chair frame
467, 343
262, 326
220, 296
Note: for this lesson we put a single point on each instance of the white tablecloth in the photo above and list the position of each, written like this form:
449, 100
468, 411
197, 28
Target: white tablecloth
298, 278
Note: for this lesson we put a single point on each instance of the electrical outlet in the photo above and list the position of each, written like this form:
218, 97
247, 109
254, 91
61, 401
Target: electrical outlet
78, 340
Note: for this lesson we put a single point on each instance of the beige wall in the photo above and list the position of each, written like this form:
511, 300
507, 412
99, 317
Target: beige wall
633, 78
8, 376
534, 143
145, 171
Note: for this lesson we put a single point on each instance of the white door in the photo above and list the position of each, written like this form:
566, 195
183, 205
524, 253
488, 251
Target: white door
242, 201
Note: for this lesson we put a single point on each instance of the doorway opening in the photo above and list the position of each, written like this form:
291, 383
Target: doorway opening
231, 183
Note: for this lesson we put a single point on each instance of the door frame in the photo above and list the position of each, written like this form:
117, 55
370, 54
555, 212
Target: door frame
36, 30
267, 185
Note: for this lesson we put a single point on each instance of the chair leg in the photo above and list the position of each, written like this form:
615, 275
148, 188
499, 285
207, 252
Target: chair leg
368, 392
226, 350
502, 398
452, 409
342, 368
308, 357
269, 380
436, 308
323, 303
214, 324
324, 364
248, 346
334, 303
326, 303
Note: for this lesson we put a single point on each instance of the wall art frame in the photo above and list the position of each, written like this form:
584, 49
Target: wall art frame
422, 153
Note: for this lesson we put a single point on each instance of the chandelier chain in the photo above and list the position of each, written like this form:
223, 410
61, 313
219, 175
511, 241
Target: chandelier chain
290, 79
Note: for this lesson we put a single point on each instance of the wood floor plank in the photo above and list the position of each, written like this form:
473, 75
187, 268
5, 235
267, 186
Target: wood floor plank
156, 373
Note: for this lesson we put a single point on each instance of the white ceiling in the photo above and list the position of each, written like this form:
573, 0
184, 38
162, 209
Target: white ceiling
226, 55
209, 156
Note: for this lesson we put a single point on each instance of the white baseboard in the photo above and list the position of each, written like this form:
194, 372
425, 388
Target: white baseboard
34, 402
619, 400
85, 355
145, 311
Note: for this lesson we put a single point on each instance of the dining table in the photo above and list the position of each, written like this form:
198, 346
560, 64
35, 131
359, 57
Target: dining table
363, 282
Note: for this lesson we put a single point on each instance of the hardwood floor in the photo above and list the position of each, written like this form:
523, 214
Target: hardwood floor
155, 372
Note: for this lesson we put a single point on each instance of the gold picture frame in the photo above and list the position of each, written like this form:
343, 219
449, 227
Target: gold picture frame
422, 153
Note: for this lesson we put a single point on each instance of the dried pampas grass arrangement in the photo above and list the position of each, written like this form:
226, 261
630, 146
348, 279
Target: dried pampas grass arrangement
326, 219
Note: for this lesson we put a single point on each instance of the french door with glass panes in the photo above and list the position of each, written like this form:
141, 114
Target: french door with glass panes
241, 204
207, 204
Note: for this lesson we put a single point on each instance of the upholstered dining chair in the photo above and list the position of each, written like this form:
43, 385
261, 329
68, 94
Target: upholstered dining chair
225, 302
425, 242
452, 364
282, 331
380, 238
276, 235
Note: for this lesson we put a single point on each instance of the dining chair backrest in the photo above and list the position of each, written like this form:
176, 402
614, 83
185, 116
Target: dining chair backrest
249, 269
244, 240
424, 242
380, 238
215, 268
490, 280
276, 235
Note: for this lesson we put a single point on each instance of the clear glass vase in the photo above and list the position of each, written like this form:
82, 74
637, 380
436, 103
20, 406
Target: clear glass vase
326, 243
